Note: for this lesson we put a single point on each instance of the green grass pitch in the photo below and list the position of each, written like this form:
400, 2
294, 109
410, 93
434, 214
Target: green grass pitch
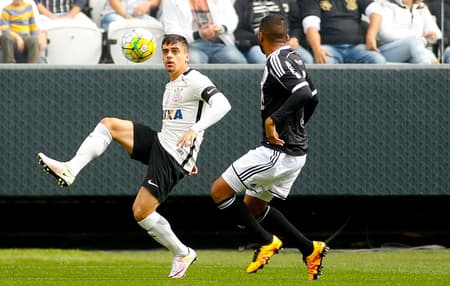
216, 267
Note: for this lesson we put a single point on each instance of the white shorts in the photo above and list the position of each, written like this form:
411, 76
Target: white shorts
264, 173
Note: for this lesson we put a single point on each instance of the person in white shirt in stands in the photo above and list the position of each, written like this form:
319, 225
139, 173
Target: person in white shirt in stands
208, 25
407, 30
116, 10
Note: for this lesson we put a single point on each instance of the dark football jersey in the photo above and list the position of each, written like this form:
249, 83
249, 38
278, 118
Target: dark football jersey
284, 75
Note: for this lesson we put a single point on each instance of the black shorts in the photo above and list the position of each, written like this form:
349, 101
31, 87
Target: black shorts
163, 171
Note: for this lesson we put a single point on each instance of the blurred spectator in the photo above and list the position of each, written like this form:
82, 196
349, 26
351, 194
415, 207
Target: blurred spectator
19, 38
116, 10
335, 31
436, 9
42, 33
63, 10
250, 13
407, 28
208, 25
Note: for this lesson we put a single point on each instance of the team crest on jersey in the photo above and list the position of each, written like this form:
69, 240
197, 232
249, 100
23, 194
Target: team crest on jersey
325, 5
177, 94
352, 5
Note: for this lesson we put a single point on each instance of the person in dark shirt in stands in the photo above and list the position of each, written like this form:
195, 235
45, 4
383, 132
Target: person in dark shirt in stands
335, 32
250, 14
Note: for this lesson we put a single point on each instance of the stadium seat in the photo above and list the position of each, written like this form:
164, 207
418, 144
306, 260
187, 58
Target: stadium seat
117, 28
72, 43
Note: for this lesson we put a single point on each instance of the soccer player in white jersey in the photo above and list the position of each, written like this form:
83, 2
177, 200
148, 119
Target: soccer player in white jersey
191, 103
288, 100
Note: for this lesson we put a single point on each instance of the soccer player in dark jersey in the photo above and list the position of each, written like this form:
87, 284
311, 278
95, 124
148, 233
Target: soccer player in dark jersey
288, 100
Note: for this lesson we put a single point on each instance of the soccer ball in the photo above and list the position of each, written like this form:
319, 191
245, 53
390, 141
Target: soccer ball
138, 45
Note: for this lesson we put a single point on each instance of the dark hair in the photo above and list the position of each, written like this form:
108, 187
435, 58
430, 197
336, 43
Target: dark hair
274, 26
175, 38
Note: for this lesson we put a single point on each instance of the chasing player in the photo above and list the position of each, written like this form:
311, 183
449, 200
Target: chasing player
288, 100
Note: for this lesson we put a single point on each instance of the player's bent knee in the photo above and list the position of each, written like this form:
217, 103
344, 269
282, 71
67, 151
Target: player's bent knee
119, 129
108, 122
215, 189
144, 204
220, 190
140, 213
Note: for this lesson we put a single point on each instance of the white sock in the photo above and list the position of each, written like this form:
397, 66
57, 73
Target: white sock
159, 228
92, 147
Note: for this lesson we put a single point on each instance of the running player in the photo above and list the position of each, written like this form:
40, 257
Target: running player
191, 103
288, 100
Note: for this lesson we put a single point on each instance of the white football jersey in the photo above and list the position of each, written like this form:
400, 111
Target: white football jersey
183, 106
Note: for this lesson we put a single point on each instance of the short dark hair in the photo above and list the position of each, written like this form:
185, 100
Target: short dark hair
175, 38
275, 27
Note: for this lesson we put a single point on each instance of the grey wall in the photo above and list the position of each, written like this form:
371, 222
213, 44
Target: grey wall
378, 130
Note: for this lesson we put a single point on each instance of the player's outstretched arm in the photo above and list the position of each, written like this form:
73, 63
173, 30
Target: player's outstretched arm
218, 107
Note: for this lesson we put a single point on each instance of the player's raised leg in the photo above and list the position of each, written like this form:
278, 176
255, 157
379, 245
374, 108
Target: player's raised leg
107, 130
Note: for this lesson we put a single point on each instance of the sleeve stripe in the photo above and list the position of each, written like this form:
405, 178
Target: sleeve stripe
276, 65
300, 85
